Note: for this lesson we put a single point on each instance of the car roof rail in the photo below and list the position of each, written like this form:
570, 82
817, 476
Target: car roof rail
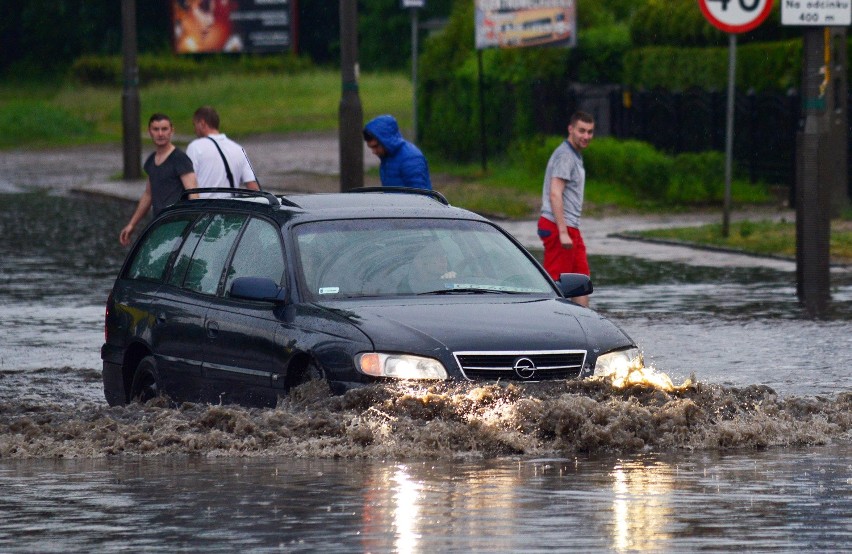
408, 190
274, 201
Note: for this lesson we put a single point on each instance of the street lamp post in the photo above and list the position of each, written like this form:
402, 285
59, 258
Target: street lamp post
131, 139
351, 115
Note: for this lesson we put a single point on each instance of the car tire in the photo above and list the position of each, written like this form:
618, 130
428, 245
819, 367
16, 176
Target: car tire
310, 372
146, 381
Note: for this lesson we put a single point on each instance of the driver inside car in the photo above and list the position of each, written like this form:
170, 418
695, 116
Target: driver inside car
429, 271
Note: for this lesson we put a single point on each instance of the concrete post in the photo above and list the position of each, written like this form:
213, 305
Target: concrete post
813, 223
835, 159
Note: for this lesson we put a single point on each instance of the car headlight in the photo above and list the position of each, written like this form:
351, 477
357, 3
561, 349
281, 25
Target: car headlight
619, 361
399, 366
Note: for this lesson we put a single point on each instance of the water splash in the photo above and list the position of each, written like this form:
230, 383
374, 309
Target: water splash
440, 421
637, 374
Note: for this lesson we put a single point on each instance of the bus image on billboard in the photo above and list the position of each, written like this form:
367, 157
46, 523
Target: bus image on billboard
535, 27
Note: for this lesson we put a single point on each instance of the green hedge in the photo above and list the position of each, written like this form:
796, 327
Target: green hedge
681, 23
108, 70
637, 166
760, 66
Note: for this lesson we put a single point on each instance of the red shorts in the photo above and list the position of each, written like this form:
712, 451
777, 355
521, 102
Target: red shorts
558, 259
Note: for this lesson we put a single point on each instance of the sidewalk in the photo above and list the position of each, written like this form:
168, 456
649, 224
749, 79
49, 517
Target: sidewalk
600, 234
309, 162
601, 238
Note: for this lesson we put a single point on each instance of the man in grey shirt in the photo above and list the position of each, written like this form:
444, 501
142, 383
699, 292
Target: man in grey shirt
562, 203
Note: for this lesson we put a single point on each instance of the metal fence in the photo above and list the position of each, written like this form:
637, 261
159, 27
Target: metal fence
765, 124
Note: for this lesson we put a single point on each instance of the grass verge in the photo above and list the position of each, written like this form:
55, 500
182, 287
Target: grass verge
47, 114
765, 238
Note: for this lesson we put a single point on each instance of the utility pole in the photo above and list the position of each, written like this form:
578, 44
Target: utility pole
821, 147
351, 121
131, 132
414, 73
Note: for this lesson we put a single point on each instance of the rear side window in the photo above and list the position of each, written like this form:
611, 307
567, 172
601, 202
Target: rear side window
187, 250
208, 261
258, 254
156, 249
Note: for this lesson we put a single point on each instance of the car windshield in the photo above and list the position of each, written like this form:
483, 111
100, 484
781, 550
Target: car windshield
391, 257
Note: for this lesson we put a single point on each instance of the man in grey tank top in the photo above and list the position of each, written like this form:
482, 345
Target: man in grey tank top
562, 203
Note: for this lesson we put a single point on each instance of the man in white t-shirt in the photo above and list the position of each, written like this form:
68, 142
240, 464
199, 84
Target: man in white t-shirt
218, 161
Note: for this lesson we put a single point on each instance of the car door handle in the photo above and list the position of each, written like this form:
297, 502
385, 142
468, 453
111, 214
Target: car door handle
212, 329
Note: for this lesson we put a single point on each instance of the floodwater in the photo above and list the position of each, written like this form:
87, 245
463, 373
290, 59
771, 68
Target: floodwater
751, 450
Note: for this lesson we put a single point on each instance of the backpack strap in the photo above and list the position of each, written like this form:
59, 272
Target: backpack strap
227, 167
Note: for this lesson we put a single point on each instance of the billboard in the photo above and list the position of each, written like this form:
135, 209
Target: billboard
524, 23
214, 26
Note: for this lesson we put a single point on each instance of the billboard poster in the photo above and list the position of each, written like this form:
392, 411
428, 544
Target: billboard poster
237, 26
525, 23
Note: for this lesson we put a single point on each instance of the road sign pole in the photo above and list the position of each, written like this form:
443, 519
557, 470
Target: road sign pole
733, 17
729, 132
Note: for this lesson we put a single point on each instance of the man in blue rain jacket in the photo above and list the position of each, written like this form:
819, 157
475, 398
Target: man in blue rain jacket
402, 164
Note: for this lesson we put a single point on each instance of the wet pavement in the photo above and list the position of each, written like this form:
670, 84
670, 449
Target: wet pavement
309, 162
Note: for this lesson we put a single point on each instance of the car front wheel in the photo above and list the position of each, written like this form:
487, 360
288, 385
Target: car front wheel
310, 372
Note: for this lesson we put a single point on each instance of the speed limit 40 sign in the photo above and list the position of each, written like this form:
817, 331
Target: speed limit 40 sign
735, 16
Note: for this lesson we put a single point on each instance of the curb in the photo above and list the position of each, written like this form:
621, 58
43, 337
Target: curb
712, 248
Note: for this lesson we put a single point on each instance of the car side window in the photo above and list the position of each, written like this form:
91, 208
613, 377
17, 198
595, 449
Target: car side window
186, 251
156, 249
258, 254
208, 261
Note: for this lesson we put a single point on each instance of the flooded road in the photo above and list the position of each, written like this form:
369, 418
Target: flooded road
778, 501
753, 454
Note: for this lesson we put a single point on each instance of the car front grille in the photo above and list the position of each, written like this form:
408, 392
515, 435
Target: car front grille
522, 366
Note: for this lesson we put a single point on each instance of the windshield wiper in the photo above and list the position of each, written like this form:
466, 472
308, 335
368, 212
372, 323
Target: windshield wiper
468, 290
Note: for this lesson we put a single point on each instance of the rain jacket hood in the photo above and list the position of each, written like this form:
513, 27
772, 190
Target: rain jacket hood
386, 131
403, 164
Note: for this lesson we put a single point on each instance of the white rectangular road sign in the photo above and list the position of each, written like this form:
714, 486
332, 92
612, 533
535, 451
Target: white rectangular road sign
828, 13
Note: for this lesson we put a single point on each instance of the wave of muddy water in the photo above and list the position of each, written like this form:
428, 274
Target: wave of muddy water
441, 421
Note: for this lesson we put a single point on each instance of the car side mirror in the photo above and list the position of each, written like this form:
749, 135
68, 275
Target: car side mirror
575, 284
257, 288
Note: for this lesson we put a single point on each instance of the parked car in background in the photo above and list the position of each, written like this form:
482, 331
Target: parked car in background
238, 300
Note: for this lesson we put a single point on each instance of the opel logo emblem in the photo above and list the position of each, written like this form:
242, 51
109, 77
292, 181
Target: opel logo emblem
524, 368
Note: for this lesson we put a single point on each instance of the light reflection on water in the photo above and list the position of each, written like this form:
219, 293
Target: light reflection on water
782, 501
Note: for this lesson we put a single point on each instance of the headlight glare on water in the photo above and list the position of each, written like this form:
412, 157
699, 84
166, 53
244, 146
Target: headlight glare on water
399, 366
620, 361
